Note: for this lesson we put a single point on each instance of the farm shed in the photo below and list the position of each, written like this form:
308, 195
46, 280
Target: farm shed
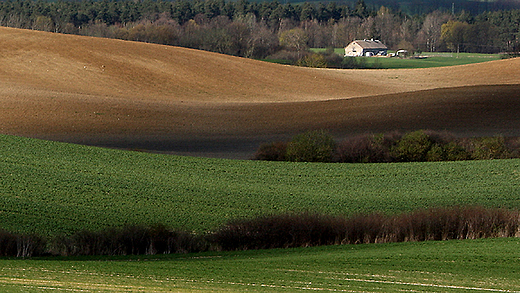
366, 48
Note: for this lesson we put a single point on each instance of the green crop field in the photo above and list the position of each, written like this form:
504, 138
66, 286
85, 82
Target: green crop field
53, 188
489, 265
430, 60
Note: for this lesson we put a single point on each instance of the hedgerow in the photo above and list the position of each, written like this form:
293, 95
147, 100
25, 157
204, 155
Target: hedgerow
128, 240
311, 146
20, 244
416, 146
274, 151
300, 230
275, 231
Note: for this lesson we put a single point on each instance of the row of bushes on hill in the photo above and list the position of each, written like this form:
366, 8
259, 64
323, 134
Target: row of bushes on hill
325, 59
21, 245
416, 146
275, 231
128, 240
301, 230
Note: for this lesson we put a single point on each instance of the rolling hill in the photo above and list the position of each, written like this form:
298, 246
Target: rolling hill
135, 95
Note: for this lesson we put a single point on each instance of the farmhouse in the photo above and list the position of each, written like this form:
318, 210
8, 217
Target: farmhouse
366, 48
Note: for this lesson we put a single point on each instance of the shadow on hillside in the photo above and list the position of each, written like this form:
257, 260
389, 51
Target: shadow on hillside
222, 148
235, 131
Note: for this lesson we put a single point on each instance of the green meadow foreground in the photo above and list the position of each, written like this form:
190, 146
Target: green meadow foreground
54, 188
445, 266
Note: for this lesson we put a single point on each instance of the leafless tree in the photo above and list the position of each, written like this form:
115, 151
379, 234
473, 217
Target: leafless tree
429, 36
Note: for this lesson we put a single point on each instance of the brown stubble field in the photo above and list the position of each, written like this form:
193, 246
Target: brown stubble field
144, 96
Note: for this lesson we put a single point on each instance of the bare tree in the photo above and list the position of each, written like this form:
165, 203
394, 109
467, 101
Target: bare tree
346, 30
43, 23
263, 41
429, 36
385, 27
294, 38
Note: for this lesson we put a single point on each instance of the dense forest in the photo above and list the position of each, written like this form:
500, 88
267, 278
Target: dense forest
270, 29
426, 6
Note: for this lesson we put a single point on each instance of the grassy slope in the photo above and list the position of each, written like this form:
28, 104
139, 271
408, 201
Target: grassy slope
432, 60
448, 266
50, 187
429, 62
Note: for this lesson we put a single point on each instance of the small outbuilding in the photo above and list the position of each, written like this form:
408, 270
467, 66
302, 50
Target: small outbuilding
401, 53
366, 48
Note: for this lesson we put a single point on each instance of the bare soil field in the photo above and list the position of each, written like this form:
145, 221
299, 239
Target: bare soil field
167, 99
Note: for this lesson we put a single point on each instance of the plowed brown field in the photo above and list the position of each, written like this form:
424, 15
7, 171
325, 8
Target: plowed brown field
162, 98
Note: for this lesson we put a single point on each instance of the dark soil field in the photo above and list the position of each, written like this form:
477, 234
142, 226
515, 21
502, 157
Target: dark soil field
167, 99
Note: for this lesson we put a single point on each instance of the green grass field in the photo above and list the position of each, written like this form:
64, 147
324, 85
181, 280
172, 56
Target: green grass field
52, 188
431, 60
446, 266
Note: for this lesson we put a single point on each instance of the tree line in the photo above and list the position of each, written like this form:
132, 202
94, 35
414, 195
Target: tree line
268, 29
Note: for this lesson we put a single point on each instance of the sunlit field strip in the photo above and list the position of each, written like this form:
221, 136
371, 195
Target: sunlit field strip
444, 266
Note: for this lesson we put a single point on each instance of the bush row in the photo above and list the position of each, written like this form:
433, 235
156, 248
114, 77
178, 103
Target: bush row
417, 146
275, 231
129, 240
326, 59
21, 245
284, 231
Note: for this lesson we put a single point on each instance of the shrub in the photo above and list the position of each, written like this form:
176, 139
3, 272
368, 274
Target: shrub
364, 149
333, 60
271, 152
7, 244
311, 146
417, 146
513, 146
285, 57
368, 148
453, 151
436, 153
313, 60
21, 245
413, 147
387, 143
359, 149
487, 148
28, 245
291, 230
353, 63
276, 231
129, 240
280, 231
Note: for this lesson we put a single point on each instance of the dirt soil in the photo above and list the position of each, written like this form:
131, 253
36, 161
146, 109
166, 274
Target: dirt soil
168, 99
